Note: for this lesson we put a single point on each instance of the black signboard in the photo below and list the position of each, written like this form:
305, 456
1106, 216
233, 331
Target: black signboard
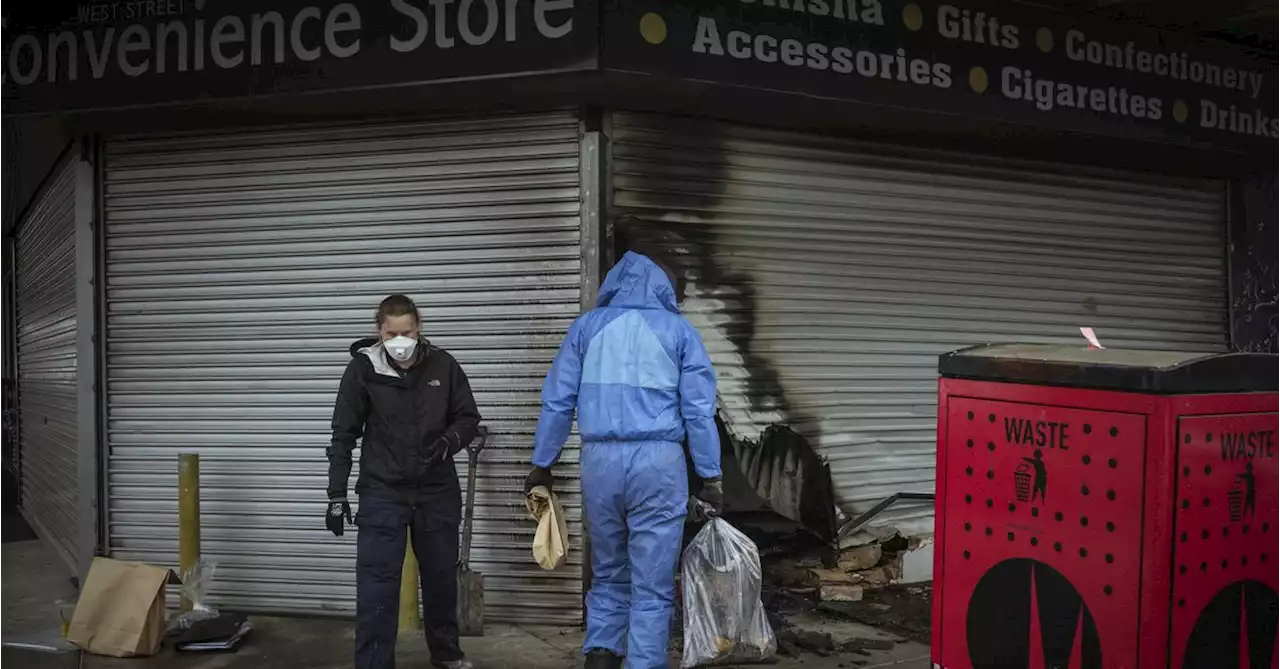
127, 53
1005, 61
985, 60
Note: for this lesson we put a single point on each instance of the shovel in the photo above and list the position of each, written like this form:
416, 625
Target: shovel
471, 583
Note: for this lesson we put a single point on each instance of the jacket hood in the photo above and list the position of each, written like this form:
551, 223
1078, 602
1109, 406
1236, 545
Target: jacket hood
637, 282
371, 348
362, 343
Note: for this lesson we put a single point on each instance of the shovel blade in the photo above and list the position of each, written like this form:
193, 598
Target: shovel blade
470, 602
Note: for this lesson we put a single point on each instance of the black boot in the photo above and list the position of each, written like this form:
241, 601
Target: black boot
599, 658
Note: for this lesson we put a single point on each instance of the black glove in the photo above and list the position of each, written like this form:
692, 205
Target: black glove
712, 494
440, 450
539, 476
339, 510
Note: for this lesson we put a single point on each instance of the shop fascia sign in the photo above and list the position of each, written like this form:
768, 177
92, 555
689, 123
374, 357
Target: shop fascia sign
146, 42
1012, 61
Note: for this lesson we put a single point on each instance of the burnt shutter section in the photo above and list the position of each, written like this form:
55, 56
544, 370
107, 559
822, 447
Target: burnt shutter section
47, 354
241, 266
828, 276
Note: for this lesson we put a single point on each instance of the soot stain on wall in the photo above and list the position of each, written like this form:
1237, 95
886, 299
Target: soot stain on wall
677, 227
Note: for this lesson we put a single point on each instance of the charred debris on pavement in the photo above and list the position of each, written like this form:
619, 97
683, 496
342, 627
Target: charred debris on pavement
865, 587
807, 581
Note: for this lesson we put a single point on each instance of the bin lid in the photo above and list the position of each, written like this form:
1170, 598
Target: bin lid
1156, 372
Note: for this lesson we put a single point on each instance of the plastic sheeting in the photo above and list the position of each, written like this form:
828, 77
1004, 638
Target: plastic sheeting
724, 620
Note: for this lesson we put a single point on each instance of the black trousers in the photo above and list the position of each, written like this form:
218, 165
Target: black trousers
380, 543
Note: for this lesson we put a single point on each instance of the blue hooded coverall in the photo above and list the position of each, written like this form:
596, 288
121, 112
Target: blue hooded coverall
640, 379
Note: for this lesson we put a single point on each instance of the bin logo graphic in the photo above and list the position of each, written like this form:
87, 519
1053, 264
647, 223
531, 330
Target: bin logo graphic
1060, 631
1242, 498
1022, 483
1236, 630
1031, 479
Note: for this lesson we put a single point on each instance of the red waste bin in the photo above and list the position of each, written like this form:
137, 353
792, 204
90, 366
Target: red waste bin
1105, 508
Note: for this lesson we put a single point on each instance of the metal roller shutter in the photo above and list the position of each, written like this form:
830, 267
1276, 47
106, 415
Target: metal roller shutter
46, 314
827, 276
240, 267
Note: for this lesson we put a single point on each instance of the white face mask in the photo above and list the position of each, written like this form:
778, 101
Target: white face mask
400, 348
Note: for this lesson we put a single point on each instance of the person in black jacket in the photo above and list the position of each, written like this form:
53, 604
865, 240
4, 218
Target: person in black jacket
412, 404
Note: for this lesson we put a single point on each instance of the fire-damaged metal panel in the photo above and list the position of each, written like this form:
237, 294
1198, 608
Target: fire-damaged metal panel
786, 475
827, 276
239, 268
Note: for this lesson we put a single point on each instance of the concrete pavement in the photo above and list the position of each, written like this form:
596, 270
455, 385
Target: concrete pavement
36, 588
293, 643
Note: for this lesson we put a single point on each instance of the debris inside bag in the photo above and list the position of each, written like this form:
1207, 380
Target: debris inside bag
724, 619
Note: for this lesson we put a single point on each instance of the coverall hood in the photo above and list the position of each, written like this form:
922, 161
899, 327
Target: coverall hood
637, 282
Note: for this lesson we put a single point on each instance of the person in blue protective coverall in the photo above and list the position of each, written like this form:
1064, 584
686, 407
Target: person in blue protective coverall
639, 378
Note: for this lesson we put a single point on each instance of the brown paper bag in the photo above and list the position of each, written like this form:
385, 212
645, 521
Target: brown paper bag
551, 540
121, 611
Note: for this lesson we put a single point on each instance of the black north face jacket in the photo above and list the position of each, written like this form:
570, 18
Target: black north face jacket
400, 413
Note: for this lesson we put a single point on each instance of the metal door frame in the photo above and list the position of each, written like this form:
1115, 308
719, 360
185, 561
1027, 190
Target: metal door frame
89, 460
10, 366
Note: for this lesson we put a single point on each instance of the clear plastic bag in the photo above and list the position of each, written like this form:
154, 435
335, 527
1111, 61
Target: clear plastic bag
724, 621
196, 583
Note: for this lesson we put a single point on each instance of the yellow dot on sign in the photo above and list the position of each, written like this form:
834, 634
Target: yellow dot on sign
978, 79
1179, 111
912, 17
653, 28
1044, 39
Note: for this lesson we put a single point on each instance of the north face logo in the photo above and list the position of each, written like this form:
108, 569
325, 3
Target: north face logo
434, 383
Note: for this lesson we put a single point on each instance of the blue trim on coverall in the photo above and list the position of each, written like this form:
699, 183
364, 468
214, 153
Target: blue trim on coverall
639, 379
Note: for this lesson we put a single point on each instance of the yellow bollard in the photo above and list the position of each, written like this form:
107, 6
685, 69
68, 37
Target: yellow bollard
188, 514
410, 620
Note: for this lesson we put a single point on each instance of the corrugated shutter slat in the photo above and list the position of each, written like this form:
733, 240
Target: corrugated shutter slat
827, 276
240, 267
46, 311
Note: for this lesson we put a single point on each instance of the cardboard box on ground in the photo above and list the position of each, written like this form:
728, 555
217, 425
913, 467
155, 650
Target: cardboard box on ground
121, 611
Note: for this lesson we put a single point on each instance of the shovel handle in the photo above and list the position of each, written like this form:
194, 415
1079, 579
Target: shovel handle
477, 444
473, 461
